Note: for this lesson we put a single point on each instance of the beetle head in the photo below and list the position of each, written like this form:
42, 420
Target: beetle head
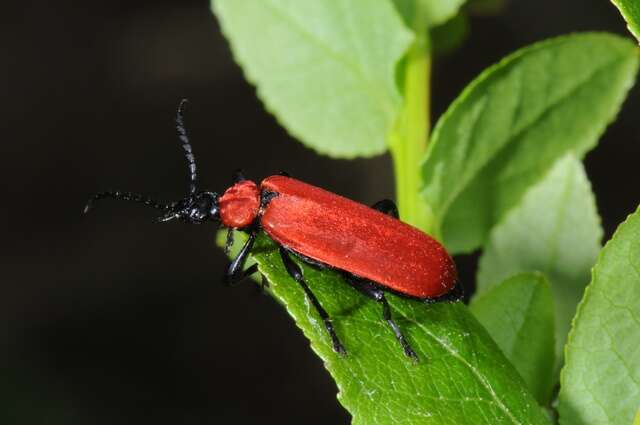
194, 209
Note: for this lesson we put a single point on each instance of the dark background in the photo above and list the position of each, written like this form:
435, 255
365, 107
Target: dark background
113, 319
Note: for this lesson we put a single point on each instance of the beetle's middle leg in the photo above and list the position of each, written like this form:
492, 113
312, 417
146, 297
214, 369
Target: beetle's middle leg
296, 273
372, 291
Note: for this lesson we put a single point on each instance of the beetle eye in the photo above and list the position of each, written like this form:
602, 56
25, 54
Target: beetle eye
204, 204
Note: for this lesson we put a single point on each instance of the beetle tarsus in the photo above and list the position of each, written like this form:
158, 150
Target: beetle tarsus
229, 241
377, 294
386, 315
296, 273
264, 283
235, 272
244, 274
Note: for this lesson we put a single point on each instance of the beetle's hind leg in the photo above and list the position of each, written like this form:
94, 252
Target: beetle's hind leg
296, 273
372, 291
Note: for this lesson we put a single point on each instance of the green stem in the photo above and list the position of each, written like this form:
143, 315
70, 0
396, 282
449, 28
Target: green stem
409, 137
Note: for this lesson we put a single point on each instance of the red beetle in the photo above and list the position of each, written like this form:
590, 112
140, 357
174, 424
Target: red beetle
375, 251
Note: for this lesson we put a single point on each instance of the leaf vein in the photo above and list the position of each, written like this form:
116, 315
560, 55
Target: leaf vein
481, 379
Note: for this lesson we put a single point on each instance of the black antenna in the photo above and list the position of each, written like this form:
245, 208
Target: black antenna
188, 151
195, 208
126, 196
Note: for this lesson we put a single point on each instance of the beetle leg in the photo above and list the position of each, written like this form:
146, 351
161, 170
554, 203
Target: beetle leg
264, 283
235, 271
229, 242
244, 274
386, 206
296, 273
386, 315
377, 294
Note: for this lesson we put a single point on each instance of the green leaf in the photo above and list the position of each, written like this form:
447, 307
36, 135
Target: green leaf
462, 376
325, 69
600, 383
518, 313
427, 13
554, 230
510, 125
451, 35
630, 10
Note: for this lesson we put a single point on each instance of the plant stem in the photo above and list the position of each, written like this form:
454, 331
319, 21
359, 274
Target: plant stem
409, 137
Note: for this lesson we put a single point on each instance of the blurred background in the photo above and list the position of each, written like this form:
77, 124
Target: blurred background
114, 319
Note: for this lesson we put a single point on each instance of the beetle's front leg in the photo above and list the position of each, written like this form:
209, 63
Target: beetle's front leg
229, 241
236, 273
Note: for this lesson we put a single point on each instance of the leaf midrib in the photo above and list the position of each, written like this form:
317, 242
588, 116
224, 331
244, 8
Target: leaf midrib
552, 247
480, 379
515, 136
